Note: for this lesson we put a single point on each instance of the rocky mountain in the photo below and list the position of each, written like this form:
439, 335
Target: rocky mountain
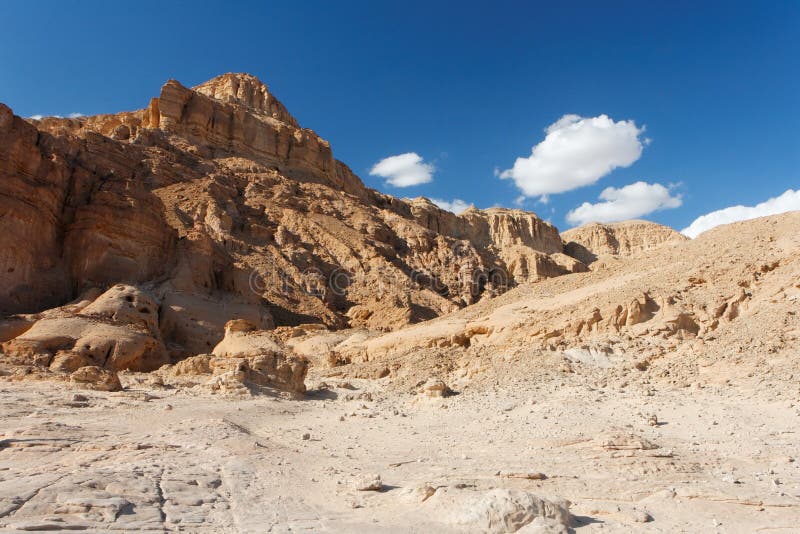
213, 204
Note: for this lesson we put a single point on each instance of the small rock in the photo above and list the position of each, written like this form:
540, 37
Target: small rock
434, 387
641, 516
79, 398
531, 475
622, 441
419, 493
306, 436
368, 483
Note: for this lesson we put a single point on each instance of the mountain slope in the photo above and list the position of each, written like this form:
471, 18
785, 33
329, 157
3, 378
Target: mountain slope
731, 295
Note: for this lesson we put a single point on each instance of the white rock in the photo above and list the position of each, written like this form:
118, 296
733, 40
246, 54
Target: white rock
503, 510
371, 482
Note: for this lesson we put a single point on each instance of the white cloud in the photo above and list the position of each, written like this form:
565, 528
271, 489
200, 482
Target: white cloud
576, 152
404, 170
788, 201
74, 115
629, 202
457, 205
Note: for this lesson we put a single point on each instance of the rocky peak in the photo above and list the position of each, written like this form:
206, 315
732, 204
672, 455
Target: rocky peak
248, 91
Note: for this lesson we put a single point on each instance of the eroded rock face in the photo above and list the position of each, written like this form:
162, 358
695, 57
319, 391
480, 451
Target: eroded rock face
498, 227
75, 213
591, 241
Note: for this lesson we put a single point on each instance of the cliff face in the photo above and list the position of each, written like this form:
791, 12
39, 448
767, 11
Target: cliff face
74, 214
627, 238
218, 204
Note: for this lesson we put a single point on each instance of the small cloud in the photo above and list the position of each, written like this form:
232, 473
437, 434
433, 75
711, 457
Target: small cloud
576, 152
520, 200
629, 202
456, 205
788, 201
39, 117
544, 199
404, 170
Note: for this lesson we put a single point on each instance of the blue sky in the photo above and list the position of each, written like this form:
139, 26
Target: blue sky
469, 87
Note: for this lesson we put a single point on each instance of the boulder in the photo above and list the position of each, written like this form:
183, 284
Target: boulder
434, 387
370, 482
243, 339
253, 356
93, 377
117, 331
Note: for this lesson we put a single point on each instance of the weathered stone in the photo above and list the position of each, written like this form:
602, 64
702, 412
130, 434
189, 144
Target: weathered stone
92, 377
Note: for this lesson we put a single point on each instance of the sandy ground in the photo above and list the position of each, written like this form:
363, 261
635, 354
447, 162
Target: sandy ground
171, 460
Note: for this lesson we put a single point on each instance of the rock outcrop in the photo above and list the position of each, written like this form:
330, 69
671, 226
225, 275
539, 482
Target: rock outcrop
118, 330
589, 242
246, 359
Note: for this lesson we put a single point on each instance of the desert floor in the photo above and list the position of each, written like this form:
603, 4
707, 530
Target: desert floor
160, 459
